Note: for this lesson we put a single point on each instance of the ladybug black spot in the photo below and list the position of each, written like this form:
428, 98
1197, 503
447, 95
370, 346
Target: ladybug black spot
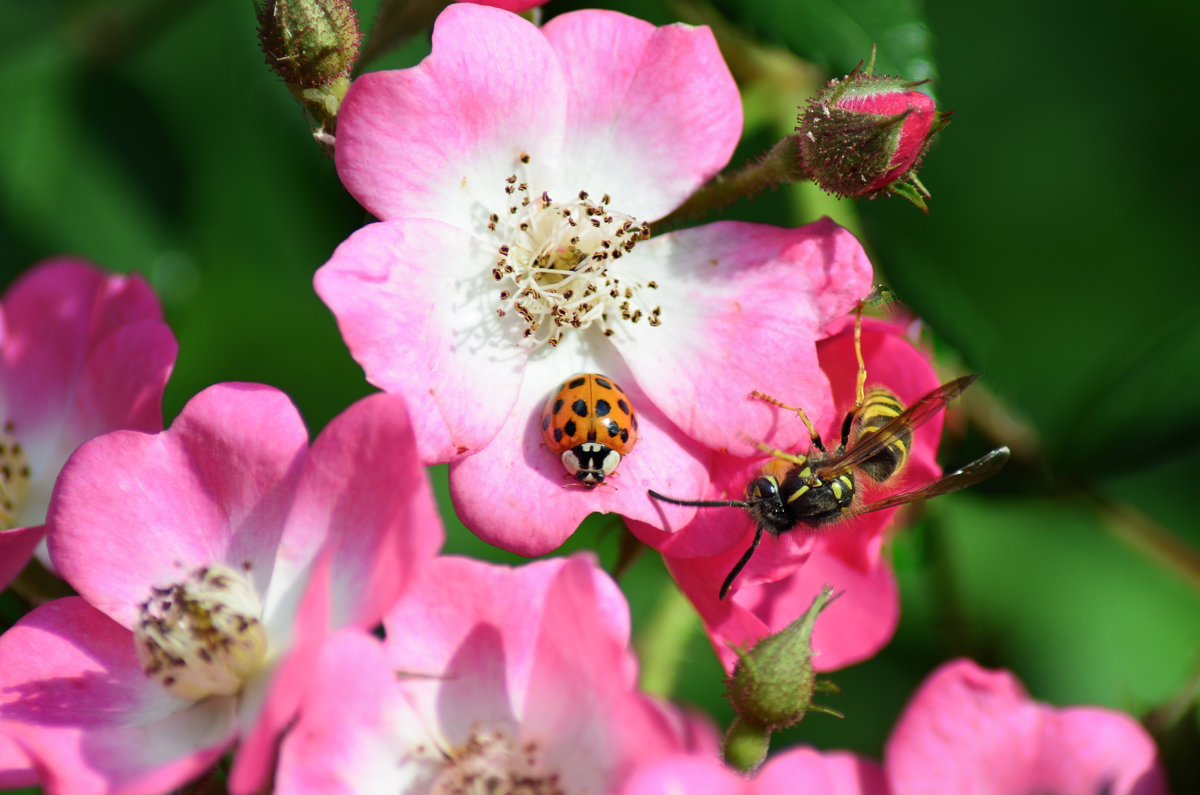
602, 408
624, 435
600, 382
546, 422
576, 382
580, 407
569, 429
613, 428
633, 421
558, 434
558, 404
623, 406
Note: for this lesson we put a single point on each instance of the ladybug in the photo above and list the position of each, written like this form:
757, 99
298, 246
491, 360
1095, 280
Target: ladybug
590, 421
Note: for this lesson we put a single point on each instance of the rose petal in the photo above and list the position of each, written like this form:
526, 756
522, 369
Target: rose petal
355, 732
417, 307
90, 718
363, 491
132, 510
742, 308
968, 729
439, 140
652, 113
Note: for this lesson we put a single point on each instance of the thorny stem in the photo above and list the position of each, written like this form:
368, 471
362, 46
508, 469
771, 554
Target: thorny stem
780, 165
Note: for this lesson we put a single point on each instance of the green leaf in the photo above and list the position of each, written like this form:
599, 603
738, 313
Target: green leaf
837, 35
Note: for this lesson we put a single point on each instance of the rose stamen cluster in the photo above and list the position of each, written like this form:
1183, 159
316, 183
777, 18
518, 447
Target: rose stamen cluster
15, 481
556, 263
202, 636
491, 761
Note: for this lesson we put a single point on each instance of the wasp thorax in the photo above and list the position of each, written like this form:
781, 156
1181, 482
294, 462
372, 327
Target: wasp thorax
14, 478
558, 264
202, 636
492, 762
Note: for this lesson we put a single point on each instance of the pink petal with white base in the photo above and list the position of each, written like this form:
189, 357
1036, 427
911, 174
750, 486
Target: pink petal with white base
441, 611
364, 502
650, 125
582, 702
90, 718
119, 385
132, 510
415, 304
438, 141
968, 729
355, 730
534, 658
54, 316
364, 489
494, 489
742, 308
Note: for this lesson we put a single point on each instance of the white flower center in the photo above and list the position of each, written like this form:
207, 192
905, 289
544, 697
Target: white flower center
202, 636
558, 269
15, 482
490, 763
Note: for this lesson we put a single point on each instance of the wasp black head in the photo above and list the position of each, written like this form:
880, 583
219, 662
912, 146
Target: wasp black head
766, 505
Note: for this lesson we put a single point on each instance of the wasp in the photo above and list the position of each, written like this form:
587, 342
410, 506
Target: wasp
820, 487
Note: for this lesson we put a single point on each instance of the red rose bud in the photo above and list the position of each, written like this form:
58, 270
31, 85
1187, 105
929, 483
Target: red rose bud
865, 135
313, 45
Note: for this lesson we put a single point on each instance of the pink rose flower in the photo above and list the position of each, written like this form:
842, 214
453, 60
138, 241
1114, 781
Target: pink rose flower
210, 559
82, 352
968, 729
515, 171
487, 674
787, 571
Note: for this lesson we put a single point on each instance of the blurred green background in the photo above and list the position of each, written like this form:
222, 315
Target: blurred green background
1058, 260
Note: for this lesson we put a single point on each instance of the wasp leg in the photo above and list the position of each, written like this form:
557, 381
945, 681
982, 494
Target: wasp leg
860, 385
812, 432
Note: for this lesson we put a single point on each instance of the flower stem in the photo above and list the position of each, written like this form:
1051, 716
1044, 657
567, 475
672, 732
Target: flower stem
780, 165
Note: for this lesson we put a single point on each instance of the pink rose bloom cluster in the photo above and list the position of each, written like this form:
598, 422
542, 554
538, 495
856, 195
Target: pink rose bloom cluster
243, 591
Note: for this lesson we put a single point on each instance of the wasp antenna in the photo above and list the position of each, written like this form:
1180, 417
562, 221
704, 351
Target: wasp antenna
741, 564
700, 503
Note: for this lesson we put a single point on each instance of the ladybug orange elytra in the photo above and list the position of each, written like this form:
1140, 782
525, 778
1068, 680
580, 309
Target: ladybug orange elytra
590, 421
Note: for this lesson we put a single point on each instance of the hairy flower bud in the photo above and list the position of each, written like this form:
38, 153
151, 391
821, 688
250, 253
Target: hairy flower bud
313, 45
772, 686
864, 135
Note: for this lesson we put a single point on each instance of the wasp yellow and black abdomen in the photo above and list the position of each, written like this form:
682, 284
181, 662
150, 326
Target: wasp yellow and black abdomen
879, 407
590, 422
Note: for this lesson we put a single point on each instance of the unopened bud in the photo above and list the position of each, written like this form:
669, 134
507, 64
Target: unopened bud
865, 134
773, 683
313, 45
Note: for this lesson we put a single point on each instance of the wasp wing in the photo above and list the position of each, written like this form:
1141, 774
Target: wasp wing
974, 472
911, 418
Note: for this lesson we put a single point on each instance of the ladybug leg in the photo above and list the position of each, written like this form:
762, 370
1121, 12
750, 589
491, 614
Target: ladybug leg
812, 432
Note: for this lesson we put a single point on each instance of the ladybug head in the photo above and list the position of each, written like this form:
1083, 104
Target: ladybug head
591, 462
